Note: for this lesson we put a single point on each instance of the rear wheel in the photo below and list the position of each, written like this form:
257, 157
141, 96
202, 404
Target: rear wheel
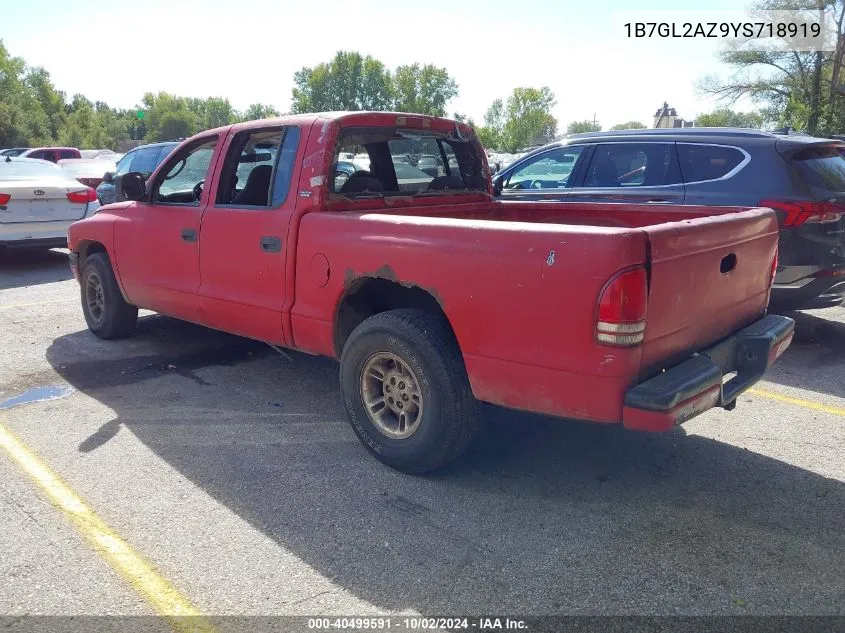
406, 391
107, 314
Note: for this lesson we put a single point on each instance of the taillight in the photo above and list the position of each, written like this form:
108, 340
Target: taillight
86, 195
832, 272
4, 198
622, 309
800, 212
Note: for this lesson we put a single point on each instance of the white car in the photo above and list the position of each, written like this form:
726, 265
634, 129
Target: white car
38, 202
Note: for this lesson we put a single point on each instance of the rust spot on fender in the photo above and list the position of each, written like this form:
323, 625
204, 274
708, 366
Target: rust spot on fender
386, 272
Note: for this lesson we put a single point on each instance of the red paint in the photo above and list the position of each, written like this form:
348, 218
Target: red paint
658, 421
520, 282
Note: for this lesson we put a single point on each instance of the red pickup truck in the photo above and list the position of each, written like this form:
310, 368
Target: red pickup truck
319, 233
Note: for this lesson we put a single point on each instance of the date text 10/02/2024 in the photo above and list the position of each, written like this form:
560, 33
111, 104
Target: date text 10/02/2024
418, 623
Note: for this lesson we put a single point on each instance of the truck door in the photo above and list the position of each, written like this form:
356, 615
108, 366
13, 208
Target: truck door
157, 241
244, 231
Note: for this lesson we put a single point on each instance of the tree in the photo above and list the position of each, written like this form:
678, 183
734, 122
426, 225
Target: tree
490, 134
580, 127
423, 89
259, 111
348, 82
630, 125
724, 117
800, 89
168, 116
527, 118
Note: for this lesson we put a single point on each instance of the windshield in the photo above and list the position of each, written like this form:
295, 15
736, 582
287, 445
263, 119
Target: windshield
25, 170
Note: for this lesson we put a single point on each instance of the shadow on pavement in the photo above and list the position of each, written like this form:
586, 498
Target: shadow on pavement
816, 359
20, 267
541, 516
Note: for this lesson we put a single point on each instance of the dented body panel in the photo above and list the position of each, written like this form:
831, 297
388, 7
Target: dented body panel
517, 282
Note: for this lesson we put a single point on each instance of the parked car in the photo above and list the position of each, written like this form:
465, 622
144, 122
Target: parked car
143, 159
105, 154
631, 314
52, 154
801, 177
13, 151
432, 165
38, 201
89, 172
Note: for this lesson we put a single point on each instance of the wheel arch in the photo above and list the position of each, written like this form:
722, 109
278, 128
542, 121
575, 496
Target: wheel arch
371, 295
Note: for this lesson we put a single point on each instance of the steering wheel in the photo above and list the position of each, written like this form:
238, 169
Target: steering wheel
197, 190
536, 184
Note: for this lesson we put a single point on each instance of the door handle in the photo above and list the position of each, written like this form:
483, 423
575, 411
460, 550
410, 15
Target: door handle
270, 244
189, 235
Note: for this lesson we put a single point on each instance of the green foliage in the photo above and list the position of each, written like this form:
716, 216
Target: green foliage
259, 111
353, 82
580, 127
724, 117
524, 120
630, 125
348, 82
423, 89
804, 90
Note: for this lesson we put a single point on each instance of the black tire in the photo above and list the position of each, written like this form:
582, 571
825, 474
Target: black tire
448, 417
108, 316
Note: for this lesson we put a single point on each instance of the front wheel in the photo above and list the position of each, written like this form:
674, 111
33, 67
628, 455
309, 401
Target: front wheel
106, 312
406, 392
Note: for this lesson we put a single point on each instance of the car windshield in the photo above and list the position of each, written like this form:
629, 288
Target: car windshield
26, 170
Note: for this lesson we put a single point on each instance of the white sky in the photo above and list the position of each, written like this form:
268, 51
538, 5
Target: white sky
248, 50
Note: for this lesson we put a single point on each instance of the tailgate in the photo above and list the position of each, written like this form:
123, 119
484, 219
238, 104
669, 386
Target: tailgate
709, 277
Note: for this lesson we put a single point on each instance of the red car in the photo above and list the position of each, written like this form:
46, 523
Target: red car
88, 171
435, 295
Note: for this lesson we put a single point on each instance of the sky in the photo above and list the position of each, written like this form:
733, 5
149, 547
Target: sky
248, 50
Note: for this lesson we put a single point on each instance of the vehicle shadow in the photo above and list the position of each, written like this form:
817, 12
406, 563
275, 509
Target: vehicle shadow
816, 357
540, 517
31, 267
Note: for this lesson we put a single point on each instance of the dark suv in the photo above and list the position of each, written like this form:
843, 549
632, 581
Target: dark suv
143, 159
801, 177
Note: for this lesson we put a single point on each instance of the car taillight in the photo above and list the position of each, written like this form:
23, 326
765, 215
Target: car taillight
4, 198
86, 195
832, 272
798, 212
621, 313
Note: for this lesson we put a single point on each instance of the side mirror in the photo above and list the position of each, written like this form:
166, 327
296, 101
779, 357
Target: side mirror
498, 183
108, 176
134, 186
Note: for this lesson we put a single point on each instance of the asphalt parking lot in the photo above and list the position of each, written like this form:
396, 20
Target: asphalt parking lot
231, 471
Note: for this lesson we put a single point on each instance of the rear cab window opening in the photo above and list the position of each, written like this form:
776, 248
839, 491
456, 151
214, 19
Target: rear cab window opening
390, 161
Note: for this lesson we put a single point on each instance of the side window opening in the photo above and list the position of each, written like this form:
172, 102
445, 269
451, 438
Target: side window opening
258, 168
181, 181
707, 162
549, 170
633, 165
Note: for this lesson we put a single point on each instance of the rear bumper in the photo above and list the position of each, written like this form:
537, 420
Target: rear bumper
696, 385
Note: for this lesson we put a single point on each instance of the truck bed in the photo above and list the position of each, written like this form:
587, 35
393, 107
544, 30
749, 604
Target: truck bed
521, 283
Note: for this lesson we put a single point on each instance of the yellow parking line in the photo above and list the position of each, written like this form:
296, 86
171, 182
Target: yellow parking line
163, 596
37, 303
799, 402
